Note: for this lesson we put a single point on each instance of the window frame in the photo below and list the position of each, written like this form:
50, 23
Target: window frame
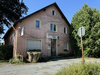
22, 31
36, 24
65, 30
52, 29
53, 13
67, 47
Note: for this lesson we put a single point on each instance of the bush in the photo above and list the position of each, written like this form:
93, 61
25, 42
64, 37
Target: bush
15, 61
81, 69
65, 55
6, 52
18, 60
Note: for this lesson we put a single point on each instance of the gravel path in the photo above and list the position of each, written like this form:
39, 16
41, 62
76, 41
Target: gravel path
44, 68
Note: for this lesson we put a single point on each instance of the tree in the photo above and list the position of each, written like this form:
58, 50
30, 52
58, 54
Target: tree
90, 19
11, 11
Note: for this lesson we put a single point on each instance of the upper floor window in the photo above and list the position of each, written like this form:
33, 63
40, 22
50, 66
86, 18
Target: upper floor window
65, 30
22, 31
53, 27
53, 13
13, 34
37, 24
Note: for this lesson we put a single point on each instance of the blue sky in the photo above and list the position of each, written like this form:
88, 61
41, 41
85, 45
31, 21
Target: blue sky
68, 7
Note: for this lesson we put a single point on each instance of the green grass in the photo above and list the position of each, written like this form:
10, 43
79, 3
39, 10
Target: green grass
81, 69
15, 61
3, 61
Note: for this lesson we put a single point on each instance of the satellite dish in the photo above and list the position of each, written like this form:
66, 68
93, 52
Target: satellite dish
81, 31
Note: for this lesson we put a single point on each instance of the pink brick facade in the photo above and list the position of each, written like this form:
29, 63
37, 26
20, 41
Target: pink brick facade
31, 32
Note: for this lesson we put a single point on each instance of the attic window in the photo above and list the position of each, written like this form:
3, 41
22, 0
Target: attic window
53, 12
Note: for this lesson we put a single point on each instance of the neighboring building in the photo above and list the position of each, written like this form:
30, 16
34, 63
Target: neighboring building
46, 29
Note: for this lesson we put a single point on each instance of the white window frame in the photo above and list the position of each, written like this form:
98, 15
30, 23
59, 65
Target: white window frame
67, 47
22, 31
39, 24
65, 30
53, 27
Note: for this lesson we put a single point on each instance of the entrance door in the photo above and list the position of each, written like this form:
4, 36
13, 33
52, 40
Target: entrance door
53, 47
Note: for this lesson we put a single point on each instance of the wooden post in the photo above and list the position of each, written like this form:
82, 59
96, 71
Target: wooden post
83, 61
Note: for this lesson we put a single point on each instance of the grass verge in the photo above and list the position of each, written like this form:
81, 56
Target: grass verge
81, 69
3, 61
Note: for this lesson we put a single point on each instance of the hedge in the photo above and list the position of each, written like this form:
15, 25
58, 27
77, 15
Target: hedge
6, 52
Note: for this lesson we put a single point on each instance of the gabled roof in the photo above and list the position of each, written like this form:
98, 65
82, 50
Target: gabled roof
35, 13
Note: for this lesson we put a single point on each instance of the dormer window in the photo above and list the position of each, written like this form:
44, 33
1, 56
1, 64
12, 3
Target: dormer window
53, 12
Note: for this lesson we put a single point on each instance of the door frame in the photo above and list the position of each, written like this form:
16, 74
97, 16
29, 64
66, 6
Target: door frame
56, 47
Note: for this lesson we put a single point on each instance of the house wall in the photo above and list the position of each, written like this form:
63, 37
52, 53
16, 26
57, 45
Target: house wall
31, 32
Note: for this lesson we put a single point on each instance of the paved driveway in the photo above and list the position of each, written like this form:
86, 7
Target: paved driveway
44, 68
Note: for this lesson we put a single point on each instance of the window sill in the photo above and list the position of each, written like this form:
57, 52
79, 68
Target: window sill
65, 50
65, 33
53, 31
38, 28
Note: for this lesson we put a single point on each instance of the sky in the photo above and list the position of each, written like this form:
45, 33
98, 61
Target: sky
68, 7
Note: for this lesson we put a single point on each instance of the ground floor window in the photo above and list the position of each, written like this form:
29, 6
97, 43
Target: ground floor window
65, 46
33, 45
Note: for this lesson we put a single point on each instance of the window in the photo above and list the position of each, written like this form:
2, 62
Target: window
53, 13
13, 34
22, 31
65, 47
65, 30
37, 24
12, 38
53, 27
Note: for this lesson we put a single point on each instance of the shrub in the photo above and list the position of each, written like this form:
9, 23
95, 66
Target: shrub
66, 55
81, 69
6, 52
18, 60
15, 61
